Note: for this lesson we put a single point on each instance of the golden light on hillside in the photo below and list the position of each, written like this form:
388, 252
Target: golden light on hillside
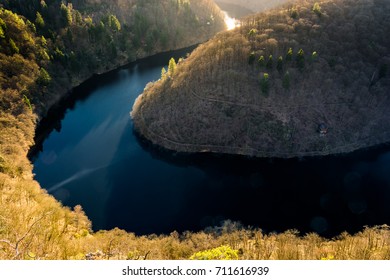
231, 23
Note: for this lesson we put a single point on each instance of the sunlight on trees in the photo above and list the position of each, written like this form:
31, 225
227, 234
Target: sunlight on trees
219, 253
171, 67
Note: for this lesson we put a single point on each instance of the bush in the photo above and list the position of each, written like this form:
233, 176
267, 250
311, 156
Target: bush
219, 253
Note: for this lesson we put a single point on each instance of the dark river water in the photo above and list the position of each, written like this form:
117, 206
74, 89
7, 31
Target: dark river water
88, 154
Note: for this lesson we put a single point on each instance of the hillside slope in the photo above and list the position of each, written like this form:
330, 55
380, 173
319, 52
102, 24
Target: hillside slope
303, 80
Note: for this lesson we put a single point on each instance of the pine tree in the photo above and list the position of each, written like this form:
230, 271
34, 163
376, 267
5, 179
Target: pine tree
289, 54
39, 21
279, 65
265, 83
261, 61
270, 62
171, 67
286, 80
163, 73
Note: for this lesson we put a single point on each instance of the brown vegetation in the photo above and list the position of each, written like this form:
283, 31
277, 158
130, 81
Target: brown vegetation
263, 89
33, 225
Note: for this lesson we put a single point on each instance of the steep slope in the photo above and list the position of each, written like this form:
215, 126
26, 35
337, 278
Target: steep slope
307, 79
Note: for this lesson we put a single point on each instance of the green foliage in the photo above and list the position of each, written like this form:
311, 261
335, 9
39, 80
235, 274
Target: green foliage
44, 78
67, 14
13, 46
261, 61
171, 67
300, 59
39, 21
163, 73
219, 253
264, 83
317, 9
252, 32
2, 36
27, 101
114, 23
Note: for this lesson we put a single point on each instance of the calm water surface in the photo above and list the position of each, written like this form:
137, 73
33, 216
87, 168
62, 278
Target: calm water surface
88, 154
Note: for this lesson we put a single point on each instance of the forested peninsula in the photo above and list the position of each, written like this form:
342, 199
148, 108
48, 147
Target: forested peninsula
305, 79
49, 46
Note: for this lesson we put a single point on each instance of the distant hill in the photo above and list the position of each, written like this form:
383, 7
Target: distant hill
310, 78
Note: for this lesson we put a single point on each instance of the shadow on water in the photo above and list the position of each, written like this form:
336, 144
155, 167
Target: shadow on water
328, 195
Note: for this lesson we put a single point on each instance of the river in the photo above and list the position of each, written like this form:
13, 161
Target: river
87, 154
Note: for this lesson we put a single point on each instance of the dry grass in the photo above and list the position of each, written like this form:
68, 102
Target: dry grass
33, 225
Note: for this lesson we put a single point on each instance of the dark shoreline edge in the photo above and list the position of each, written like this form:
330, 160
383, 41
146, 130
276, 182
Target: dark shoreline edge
185, 158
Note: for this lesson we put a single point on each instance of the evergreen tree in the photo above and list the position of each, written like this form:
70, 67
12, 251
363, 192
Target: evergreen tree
14, 47
39, 21
171, 67
261, 61
289, 54
286, 80
67, 14
301, 59
163, 73
270, 62
279, 64
265, 83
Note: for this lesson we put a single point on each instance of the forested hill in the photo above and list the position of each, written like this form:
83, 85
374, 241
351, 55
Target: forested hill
85, 37
308, 78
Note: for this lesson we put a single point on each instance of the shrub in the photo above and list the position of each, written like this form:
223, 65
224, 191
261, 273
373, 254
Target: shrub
219, 253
